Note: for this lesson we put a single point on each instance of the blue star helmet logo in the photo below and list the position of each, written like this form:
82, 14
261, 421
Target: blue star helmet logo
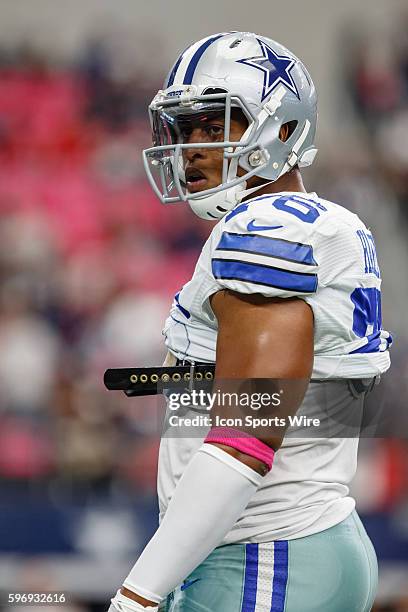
276, 69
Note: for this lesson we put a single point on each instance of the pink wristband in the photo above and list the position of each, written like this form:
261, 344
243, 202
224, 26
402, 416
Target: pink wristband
243, 442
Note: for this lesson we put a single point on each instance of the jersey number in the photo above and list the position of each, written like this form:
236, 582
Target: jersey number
367, 311
305, 210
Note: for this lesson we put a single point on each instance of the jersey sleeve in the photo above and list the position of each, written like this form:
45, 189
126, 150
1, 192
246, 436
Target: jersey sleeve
267, 253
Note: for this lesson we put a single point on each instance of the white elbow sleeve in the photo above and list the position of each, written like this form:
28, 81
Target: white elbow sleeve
211, 495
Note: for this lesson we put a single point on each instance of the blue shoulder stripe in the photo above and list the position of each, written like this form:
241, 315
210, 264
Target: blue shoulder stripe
236, 211
231, 269
269, 246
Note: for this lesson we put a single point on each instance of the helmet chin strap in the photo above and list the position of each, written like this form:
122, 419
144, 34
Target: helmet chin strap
246, 192
241, 191
222, 202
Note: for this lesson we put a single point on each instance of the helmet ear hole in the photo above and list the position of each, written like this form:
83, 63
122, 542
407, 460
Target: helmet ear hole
214, 90
287, 130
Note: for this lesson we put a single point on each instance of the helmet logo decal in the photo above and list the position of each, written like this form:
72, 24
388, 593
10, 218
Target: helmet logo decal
276, 69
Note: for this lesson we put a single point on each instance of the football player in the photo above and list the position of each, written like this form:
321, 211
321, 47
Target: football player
287, 287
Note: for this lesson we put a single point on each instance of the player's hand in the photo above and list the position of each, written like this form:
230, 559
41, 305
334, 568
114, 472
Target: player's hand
122, 603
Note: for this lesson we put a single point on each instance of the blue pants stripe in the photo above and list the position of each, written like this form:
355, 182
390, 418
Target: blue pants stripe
280, 575
251, 578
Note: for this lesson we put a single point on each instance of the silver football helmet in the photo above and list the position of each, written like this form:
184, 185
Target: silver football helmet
220, 73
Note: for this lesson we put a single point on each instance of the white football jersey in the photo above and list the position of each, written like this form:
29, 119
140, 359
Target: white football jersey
284, 245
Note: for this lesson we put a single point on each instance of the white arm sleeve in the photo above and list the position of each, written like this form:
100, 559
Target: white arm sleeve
211, 495
121, 603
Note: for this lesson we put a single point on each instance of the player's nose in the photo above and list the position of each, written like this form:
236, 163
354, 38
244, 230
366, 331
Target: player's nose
197, 135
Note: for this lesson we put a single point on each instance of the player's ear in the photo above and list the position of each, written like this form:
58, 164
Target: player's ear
284, 132
287, 130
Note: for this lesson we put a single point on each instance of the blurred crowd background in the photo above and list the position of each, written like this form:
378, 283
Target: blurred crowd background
90, 261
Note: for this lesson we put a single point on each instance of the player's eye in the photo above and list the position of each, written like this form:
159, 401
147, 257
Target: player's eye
215, 132
185, 133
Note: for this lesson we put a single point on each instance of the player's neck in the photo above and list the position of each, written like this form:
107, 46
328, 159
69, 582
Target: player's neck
292, 181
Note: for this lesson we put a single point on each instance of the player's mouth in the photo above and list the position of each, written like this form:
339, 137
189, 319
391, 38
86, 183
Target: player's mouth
195, 180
